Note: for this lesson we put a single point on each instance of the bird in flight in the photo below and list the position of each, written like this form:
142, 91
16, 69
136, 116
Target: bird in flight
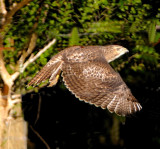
88, 75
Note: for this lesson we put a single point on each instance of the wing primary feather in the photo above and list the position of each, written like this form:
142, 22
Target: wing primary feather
45, 73
90, 78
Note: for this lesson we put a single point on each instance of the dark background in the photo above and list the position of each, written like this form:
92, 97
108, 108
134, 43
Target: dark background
65, 122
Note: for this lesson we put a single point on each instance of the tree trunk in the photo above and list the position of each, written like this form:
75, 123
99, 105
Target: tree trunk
13, 128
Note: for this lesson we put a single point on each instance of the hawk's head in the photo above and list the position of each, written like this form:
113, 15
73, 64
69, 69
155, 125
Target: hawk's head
113, 52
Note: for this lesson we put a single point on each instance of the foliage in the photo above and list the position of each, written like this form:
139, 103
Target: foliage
131, 24
128, 23
74, 39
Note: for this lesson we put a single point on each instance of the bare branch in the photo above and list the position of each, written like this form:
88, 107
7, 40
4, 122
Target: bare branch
38, 135
39, 109
9, 15
2, 7
16, 96
32, 45
33, 38
157, 27
32, 58
3, 71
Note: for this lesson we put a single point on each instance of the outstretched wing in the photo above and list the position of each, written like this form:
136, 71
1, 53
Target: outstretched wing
50, 70
97, 83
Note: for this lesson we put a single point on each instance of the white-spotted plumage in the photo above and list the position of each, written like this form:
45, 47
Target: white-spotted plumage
87, 74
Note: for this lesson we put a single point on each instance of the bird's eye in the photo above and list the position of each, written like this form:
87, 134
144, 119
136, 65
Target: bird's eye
118, 49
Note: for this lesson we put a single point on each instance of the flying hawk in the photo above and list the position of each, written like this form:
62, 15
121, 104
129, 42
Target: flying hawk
87, 74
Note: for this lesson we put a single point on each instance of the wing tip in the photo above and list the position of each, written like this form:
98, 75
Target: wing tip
132, 109
122, 107
33, 82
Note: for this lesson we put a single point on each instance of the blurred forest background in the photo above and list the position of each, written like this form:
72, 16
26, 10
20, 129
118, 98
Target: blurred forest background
55, 118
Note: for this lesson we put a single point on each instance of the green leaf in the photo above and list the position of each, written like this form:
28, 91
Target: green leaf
152, 32
74, 39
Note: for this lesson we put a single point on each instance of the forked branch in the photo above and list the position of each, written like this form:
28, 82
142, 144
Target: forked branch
32, 58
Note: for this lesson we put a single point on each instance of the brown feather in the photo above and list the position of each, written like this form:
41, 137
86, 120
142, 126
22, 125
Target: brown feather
47, 72
106, 89
87, 74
